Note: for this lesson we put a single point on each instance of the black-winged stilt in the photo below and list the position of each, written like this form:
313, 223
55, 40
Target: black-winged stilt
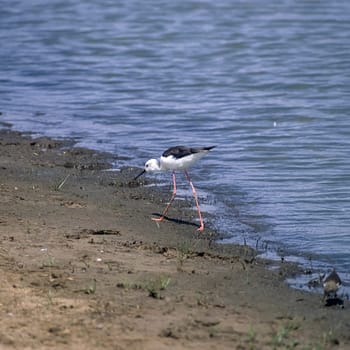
177, 158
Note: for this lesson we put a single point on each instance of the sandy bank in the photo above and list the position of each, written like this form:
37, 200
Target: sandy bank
84, 267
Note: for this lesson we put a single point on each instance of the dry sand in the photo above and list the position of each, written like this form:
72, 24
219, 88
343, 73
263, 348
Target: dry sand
84, 267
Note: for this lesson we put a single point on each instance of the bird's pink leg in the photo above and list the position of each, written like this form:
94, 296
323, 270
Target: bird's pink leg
171, 200
201, 227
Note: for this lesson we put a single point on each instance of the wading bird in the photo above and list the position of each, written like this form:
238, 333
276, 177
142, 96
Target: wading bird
177, 158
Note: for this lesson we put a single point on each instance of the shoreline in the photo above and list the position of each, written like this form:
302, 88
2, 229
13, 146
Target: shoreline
302, 262
83, 266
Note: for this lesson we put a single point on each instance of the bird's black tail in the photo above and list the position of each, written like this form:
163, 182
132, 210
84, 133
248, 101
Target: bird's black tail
209, 148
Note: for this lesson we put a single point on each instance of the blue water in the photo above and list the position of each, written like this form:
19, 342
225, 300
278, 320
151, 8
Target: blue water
268, 83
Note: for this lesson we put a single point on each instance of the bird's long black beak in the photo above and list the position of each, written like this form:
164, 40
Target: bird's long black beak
141, 173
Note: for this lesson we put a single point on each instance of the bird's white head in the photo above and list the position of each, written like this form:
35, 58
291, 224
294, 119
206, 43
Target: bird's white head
152, 165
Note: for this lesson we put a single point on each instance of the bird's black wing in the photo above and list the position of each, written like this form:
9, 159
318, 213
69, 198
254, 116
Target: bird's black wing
183, 151
177, 152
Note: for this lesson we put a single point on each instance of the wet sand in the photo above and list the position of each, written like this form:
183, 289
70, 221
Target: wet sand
84, 267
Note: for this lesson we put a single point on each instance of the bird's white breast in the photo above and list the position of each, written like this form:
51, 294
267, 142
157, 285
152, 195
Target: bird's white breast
172, 163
